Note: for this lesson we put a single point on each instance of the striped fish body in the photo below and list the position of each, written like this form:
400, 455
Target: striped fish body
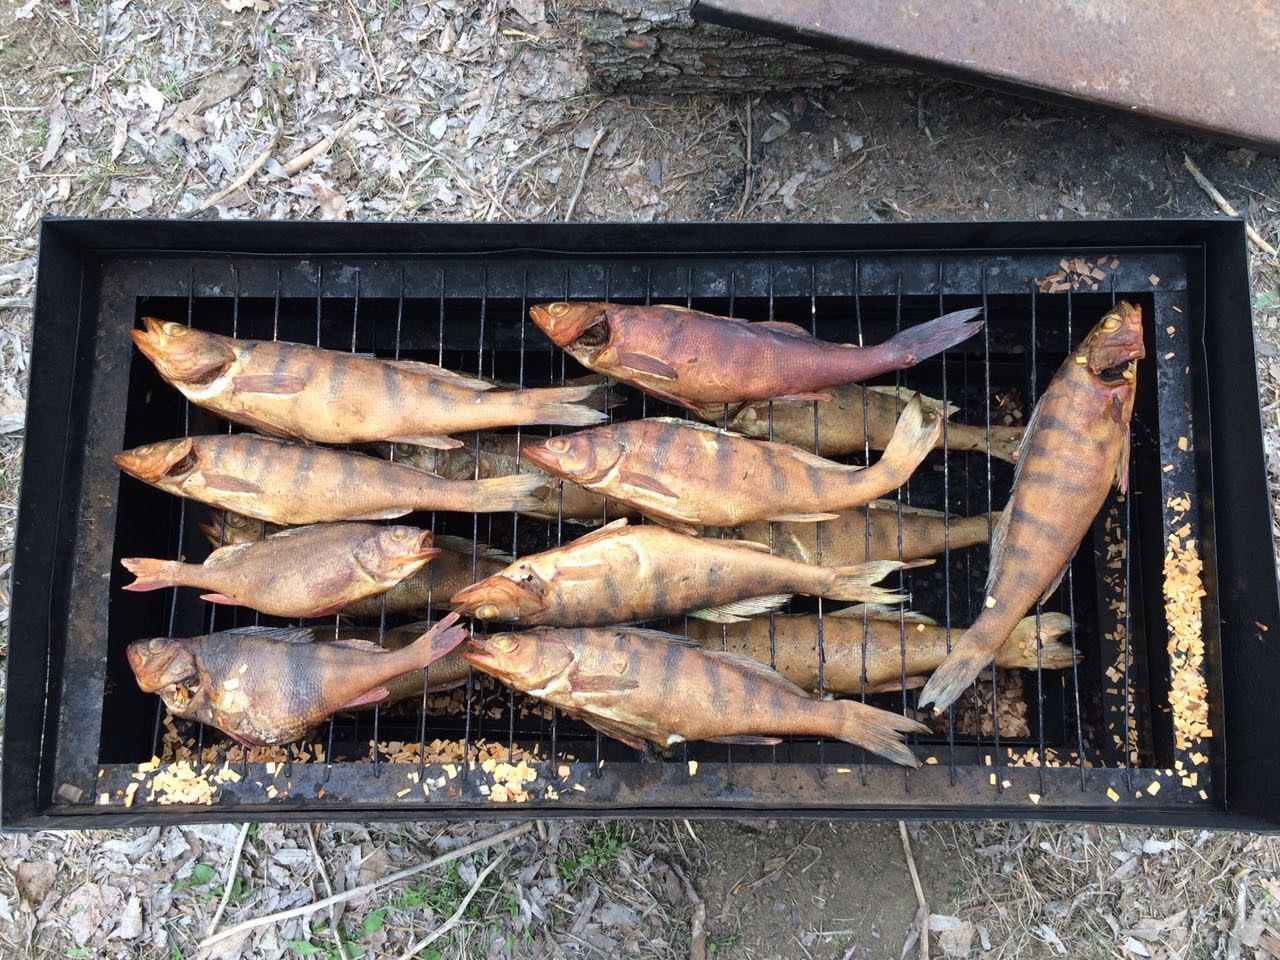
621, 573
857, 418
286, 483
639, 685
454, 568
693, 358
870, 533
689, 474
328, 396
910, 647
1076, 448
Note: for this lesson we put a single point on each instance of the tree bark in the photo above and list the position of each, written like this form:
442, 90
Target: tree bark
655, 46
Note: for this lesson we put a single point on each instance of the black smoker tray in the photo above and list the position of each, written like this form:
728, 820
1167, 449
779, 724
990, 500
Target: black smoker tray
1096, 738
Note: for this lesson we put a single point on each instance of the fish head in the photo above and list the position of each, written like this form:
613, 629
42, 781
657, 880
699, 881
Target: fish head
583, 329
394, 553
182, 354
165, 464
513, 596
160, 661
1113, 348
584, 457
226, 527
527, 661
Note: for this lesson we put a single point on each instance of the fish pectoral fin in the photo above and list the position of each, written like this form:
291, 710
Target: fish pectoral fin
278, 384
804, 517
617, 733
435, 443
646, 364
220, 599
1055, 582
740, 610
643, 481
230, 484
375, 695
389, 514
782, 326
600, 683
1122, 464
897, 686
247, 744
746, 740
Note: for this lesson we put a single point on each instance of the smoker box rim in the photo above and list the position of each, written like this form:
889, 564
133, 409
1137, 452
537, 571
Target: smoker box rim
75, 241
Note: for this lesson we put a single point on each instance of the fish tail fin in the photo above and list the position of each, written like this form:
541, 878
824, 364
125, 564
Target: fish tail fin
1006, 442
1019, 651
856, 582
605, 394
435, 643
975, 650
567, 406
917, 432
879, 731
501, 494
925, 340
153, 574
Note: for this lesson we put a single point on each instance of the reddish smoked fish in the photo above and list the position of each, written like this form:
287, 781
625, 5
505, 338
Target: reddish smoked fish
692, 358
328, 396
1076, 448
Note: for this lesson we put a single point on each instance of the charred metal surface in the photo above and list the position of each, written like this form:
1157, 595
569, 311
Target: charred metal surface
1202, 67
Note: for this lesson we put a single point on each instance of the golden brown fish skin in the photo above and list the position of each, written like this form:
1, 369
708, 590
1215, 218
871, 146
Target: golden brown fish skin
841, 419
265, 686
621, 573
329, 396
500, 457
453, 569
1077, 446
869, 533
303, 572
292, 484
693, 358
639, 685
444, 674
687, 474
795, 647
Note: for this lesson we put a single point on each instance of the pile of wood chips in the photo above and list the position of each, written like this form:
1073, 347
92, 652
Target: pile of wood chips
1076, 273
1183, 592
974, 715
1114, 579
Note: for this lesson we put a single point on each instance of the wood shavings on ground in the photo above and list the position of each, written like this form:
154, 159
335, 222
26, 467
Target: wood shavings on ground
1183, 590
1075, 273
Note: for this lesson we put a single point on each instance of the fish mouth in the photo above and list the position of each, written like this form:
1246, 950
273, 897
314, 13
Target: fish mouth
416, 559
565, 322
186, 358
155, 668
1118, 373
496, 598
540, 456
152, 463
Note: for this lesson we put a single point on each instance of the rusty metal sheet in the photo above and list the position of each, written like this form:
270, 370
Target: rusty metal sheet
1200, 66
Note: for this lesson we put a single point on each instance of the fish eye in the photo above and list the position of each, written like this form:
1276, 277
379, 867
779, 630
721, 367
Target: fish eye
1110, 322
175, 330
487, 611
503, 642
157, 644
399, 533
143, 451
558, 445
558, 309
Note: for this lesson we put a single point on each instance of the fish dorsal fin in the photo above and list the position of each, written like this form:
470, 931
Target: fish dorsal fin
742, 609
757, 670
228, 553
351, 643
907, 510
436, 372
607, 530
782, 326
275, 634
906, 395
463, 546
743, 544
879, 611
813, 460
692, 425
648, 633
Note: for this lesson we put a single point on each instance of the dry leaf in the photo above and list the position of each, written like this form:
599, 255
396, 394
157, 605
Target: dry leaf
237, 6
35, 880
780, 127
131, 921
88, 909
54, 136
954, 936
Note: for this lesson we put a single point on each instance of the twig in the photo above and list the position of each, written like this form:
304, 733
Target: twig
502, 194
15, 303
229, 882
698, 922
923, 911
774, 873
368, 888
317, 149
747, 174
324, 878
1207, 186
582, 176
244, 178
373, 64
454, 920
1234, 950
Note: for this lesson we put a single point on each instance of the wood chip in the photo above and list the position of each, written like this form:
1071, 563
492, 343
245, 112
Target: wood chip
1112, 795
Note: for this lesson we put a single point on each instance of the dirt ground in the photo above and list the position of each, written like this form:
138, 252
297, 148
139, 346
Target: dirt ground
474, 110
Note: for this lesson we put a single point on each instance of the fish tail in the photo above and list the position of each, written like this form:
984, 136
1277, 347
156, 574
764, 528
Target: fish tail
435, 643
500, 494
975, 650
879, 731
1006, 442
1019, 651
153, 574
565, 406
927, 339
856, 582
916, 433
605, 395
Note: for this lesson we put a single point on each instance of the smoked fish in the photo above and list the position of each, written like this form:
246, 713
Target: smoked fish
636, 685
329, 396
691, 358
1076, 448
621, 573
300, 572
687, 474
795, 646
268, 685
841, 423
850, 538
288, 483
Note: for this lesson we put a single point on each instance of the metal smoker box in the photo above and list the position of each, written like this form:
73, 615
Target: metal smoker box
1163, 720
